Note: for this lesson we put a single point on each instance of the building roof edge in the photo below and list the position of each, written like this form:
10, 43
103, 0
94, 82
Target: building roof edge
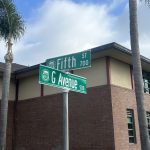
101, 48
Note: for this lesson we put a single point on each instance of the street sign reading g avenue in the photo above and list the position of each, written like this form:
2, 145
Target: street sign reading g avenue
56, 78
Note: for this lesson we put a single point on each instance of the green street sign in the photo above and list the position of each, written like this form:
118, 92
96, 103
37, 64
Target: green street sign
71, 62
56, 78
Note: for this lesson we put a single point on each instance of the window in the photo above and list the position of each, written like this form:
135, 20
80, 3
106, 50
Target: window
148, 122
131, 126
146, 81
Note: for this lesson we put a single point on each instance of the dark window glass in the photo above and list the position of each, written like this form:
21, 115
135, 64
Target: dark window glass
131, 126
148, 122
146, 82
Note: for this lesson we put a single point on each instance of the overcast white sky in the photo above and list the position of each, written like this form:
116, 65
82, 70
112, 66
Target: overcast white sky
59, 27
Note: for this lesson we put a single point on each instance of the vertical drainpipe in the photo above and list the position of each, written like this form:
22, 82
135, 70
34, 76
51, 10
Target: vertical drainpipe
131, 74
108, 71
42, 90
15, 114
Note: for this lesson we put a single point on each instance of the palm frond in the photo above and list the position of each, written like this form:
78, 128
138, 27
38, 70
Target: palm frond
147, 2
11, 23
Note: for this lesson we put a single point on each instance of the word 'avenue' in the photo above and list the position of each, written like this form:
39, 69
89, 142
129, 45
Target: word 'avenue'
65, 81
53, 77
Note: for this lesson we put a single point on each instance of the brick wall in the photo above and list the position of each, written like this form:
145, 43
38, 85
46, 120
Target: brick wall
39, 122
147, 102
96, 122
91, 120
123, 99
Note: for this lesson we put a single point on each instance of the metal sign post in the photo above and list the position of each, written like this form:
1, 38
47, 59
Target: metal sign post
65, 121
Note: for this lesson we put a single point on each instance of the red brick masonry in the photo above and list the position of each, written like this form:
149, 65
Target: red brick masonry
98, 121
39, 122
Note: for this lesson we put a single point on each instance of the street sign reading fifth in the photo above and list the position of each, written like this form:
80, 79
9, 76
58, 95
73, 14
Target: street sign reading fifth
71, 62
56, 78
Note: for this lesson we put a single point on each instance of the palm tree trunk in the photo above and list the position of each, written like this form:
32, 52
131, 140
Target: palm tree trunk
137, 71
5, 96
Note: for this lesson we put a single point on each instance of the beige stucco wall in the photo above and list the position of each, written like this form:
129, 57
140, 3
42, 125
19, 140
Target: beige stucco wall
29, 87
120, 74
96, 75
12, 89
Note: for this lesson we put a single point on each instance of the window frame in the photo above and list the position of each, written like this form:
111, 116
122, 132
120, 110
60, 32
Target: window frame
148, 122
146, 82
130, 113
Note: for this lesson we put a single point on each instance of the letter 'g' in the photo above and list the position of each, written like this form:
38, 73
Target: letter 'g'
53, 78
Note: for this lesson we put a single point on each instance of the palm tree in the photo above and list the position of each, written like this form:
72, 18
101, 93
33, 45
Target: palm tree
11, 28
137, 71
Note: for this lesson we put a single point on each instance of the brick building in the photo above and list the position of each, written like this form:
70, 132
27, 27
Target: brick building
103, 119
